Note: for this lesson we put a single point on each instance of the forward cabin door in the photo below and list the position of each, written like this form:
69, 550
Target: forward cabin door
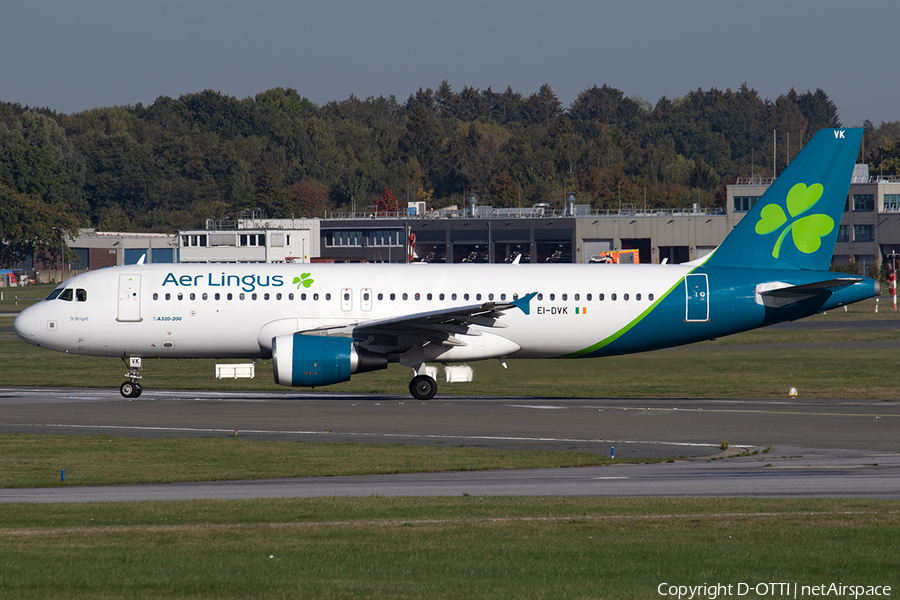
129, 299
697, 298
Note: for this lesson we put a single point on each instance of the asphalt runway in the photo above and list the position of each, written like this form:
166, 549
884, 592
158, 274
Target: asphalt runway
803, 448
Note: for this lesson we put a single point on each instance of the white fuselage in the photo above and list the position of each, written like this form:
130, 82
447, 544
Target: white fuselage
234, 310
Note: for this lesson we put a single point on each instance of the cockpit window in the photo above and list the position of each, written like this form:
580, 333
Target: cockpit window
67, 295
55, 294
80, 295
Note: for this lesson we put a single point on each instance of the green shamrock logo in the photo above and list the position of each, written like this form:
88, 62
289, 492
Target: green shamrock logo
808, 231
303, 280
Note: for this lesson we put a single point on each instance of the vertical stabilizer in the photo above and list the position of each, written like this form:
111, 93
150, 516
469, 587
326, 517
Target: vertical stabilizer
795, 223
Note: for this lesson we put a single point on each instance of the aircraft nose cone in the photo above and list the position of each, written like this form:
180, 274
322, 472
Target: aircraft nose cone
24, 326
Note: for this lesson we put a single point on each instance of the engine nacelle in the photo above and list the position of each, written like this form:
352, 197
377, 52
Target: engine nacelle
311, 360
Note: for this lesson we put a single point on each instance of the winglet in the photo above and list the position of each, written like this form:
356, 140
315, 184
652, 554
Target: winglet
524, 303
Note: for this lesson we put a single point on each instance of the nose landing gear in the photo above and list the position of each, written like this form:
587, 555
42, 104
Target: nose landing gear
131, 388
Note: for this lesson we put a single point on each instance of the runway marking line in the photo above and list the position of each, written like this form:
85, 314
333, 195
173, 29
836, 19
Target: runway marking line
735, 410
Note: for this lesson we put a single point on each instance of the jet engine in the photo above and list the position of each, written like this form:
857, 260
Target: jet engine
311, 360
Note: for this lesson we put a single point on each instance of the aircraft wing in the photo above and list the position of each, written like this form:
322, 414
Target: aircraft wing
398, 334
784, 296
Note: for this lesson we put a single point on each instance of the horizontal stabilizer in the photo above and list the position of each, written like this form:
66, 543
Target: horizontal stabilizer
778, 295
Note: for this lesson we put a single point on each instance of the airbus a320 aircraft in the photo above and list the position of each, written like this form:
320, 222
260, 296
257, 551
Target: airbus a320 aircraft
323, 323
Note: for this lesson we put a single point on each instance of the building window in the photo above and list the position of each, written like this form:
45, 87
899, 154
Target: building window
381, 237
892, 203
193, 241
843, 233
863, 202
744, 203
863, 233
253, 239
339, 239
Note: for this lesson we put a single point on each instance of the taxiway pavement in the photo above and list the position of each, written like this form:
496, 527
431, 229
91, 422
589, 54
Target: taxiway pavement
807, 448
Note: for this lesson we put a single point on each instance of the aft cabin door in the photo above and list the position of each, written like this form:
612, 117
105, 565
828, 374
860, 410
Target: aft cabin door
129, 299
697, 302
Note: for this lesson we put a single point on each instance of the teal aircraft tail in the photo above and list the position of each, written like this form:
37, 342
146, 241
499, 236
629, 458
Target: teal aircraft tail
794, 225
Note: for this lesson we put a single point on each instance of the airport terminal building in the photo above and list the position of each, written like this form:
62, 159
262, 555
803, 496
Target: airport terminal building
869, 230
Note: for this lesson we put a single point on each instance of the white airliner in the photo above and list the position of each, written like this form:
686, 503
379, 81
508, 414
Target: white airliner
323, 323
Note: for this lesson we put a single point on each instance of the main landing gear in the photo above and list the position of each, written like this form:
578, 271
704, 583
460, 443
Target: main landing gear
423, 387
131, 388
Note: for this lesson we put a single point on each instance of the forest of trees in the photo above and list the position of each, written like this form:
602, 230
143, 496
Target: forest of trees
172, 164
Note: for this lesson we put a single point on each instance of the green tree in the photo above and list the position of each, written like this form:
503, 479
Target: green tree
270, 195
29, 225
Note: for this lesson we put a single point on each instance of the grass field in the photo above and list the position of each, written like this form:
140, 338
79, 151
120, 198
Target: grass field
464, 547
461, 547
36, 460
720, 371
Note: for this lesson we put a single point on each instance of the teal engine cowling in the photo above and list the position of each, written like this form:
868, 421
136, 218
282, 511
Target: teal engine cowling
312, 360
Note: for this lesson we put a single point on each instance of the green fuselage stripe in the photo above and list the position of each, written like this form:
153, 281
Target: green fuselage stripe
624, 330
